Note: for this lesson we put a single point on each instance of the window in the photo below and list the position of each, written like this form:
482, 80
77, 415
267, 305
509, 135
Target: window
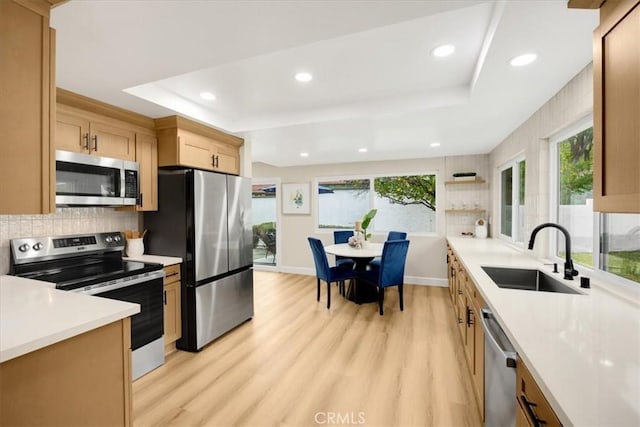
512, 196
620, 247
342, 202
404, 202
264, 214
574, 203
603, 242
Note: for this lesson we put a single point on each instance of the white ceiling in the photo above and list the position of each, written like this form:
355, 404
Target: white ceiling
375, 84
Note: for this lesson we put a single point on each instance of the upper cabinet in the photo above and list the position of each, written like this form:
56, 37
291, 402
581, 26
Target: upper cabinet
182, 142
83, 132
27, 107
85, 125
616, 112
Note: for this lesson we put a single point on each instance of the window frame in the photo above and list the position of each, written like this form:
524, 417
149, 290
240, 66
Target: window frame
596, 271
371, 178
514, 164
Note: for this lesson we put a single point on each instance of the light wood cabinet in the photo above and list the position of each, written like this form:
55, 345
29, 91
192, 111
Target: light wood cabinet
83, 132
119, 134
147, 158
182, 142
27, 107
616, 115
467, 304
83, 380
172, 308
532, 408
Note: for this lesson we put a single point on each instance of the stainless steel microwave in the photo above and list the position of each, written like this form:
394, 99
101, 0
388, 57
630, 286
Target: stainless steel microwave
89, 180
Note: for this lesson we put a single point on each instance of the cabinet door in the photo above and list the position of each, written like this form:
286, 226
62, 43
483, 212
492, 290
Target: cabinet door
617, 108
72, 133
27, 106
172, 323
147, 157
226, 159
478, 358
195, 150
109, 140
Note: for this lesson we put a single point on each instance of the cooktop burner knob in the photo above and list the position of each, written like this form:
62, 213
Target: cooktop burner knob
116, 238
37, 246
24, 247
109, 239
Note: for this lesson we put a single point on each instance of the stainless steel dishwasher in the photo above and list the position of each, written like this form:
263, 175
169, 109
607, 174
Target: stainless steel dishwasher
499, 374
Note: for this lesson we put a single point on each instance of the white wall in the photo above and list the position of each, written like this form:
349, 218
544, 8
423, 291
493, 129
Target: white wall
572, 102
426, 262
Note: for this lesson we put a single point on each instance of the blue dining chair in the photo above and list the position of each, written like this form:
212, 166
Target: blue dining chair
391, 271
393, 235
326, 273
342, 236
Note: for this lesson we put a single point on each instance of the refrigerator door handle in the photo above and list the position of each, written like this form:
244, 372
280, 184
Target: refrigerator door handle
489, 324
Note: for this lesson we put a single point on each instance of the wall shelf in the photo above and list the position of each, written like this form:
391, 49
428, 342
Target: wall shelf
476, 181
468, 211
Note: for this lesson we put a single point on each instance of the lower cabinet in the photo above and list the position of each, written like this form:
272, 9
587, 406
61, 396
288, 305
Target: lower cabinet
83, 380
467, 304
172, 310
532, 408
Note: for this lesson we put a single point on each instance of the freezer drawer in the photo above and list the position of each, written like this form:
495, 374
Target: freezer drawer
222, 305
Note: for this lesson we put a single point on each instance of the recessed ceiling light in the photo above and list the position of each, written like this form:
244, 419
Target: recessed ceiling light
208, 96
444, 50
362, 150
304, 77
434, 144
525, 59
304, 154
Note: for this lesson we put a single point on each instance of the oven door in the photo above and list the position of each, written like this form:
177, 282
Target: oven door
148, 324
82, 179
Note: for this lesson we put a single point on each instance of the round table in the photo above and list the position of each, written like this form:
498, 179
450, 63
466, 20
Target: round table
362, 257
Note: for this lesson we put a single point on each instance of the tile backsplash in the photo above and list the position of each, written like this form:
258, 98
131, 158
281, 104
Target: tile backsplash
64, 221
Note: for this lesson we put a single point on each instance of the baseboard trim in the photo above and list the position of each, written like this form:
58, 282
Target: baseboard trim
409, 280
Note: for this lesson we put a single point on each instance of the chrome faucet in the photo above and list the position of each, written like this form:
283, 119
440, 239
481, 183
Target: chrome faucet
569, 271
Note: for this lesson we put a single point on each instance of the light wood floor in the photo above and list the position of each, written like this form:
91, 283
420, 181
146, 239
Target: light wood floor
298, 364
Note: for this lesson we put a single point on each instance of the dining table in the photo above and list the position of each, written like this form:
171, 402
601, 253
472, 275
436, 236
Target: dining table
358, 291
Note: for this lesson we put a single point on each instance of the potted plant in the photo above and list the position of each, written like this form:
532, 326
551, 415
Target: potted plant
366, 220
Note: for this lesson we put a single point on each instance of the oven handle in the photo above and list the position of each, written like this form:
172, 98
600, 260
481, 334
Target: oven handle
119, 283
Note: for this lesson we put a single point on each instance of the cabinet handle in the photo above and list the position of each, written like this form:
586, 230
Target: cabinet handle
537, 422
447, 258
469, 317
95, 142
140, 199
164, 297
85, 137
459, 291
170, 275
217, 159
214, 160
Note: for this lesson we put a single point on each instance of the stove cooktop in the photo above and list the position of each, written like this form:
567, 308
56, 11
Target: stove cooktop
78, 276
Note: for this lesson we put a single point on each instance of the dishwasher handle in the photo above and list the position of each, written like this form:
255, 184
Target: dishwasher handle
497, 338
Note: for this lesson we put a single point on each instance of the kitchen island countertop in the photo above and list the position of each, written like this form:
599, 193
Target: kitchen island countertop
583, 350
34, 315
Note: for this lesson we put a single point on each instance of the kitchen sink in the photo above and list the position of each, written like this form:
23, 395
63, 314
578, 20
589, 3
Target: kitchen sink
526, 280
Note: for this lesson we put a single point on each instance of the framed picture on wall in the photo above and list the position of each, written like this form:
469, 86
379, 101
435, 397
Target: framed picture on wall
296, 198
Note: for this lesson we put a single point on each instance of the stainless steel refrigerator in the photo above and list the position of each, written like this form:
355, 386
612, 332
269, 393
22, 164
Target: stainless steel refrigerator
205, 218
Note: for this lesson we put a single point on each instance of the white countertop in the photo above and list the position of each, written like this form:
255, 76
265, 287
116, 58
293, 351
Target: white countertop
33, 315
157, 259
583, 350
